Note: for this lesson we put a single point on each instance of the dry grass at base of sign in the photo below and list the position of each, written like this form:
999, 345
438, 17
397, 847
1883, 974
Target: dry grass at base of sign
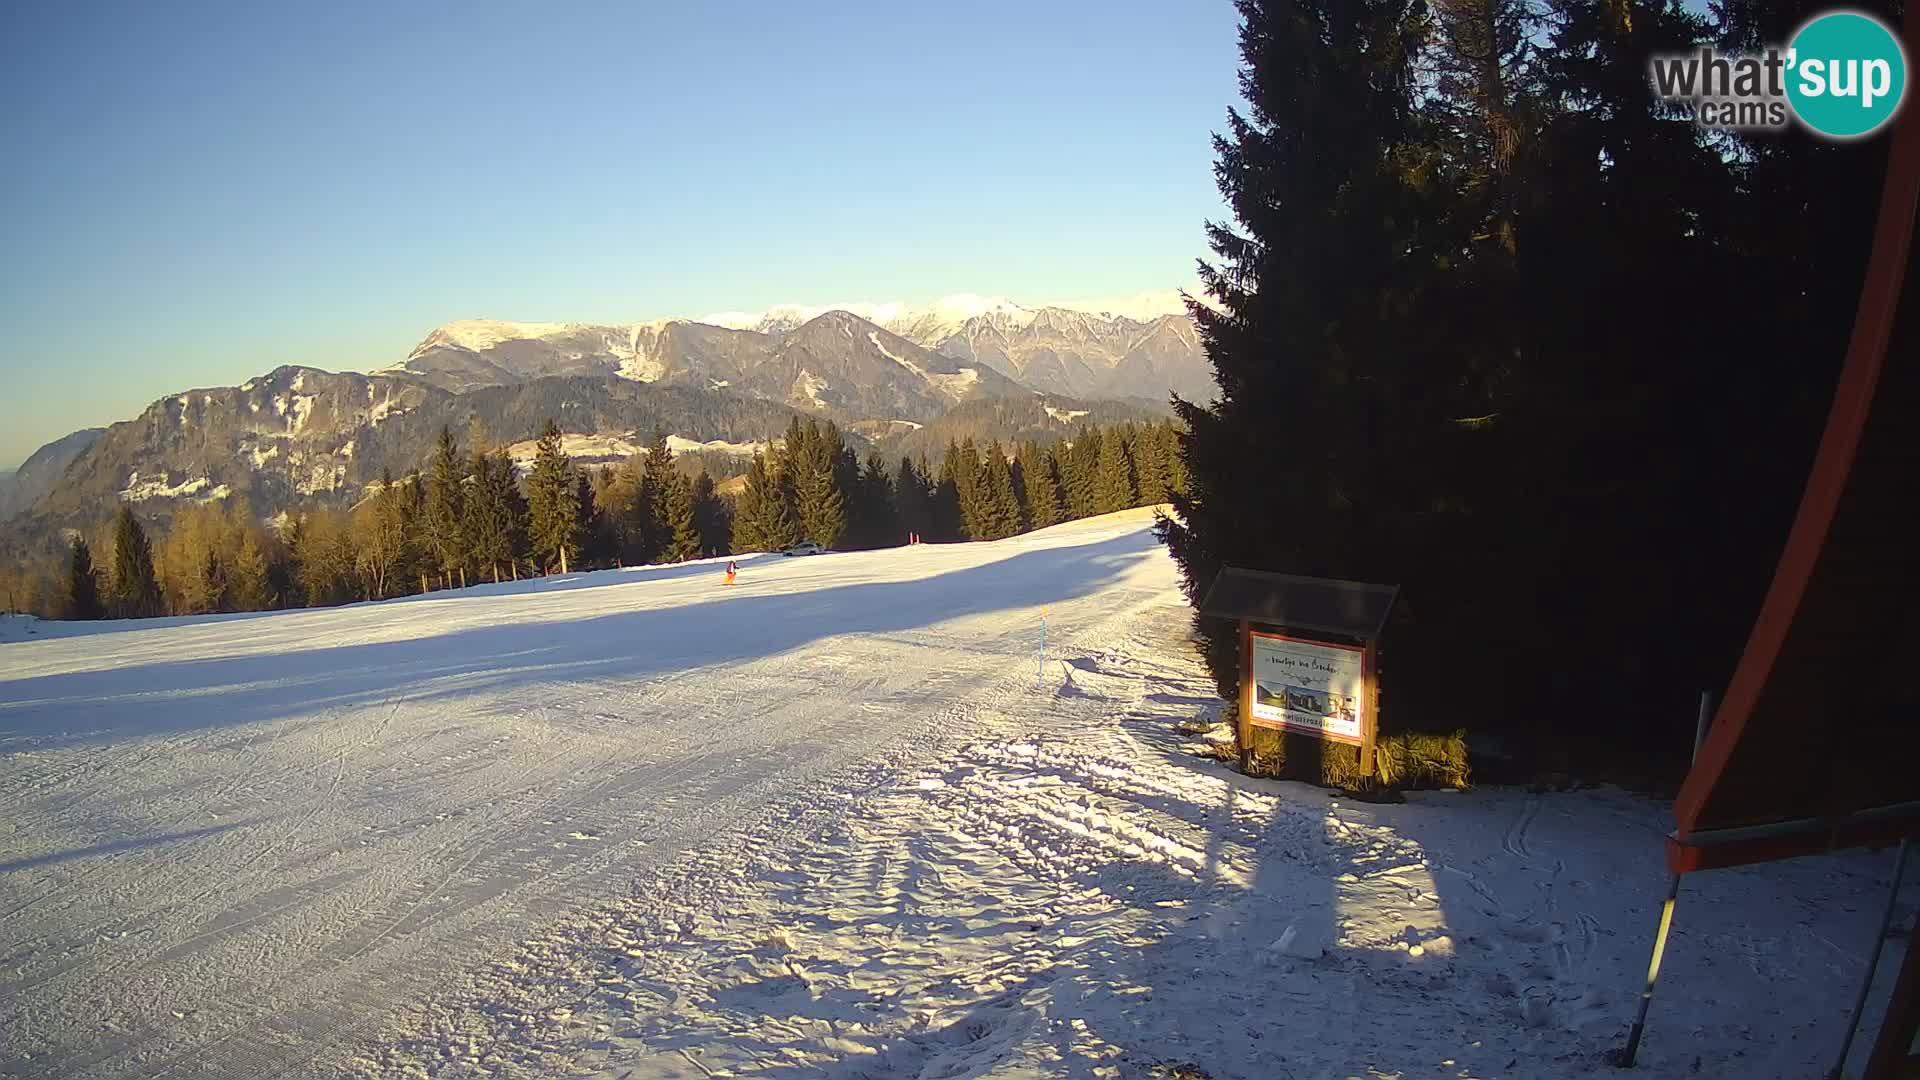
1402, 761
1421, 760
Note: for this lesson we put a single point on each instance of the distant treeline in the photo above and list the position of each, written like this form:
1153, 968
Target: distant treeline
469, 516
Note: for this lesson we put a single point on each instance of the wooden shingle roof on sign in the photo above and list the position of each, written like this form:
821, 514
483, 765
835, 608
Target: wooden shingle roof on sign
1350, 609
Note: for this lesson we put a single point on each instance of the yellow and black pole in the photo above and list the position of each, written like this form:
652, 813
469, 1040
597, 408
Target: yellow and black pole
1632, 1049
1624, 1059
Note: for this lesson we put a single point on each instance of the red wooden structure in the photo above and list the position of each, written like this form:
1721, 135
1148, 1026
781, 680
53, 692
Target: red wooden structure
1829, 671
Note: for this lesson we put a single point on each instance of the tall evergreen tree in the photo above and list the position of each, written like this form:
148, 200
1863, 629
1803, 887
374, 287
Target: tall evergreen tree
964, 459
1114, 487
679, 525
83, 583
656, 488
875, 521
1080, 472
751, 527
553, 505
998, 510
492, 520
1150, 463
136, 591
1040, 483
912, 499
440, 524
710, 516
1320, 164
1173, 460
765, 519
819, 499
596, 535
943, 500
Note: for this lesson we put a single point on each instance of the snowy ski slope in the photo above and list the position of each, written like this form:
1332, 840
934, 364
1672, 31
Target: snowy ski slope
831, 821
277, 824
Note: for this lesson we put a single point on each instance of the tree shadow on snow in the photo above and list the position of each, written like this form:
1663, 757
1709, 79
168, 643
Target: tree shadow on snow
116, 846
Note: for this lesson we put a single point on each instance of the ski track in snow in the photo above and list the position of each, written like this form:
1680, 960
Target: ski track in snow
828, 822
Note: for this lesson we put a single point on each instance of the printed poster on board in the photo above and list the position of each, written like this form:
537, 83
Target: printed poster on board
1307, 686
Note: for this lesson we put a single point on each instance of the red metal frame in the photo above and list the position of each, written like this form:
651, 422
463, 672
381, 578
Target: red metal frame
1826, 484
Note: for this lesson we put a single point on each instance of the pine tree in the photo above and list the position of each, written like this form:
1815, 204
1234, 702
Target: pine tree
446, 546
1114, 487
136, 591
1328, 159
962, 469
783, 510
819, 498
1173, 463
1079, 473
710, 516
1040, 483
596, 537
656, 485
943, 501
751, 529
913, 500
764, 519
998, 508
83, 584
876, 521
844, 466
492, 515
409, 509
552, 503
678, 522
1149, 464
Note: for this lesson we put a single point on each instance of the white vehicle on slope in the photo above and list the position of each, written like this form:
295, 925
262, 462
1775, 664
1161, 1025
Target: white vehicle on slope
805, 547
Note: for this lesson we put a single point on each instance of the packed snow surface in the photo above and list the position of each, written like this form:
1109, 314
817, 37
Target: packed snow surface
838, 819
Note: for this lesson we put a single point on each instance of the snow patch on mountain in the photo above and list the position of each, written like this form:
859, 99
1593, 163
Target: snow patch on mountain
945, 316
786, 318
809, 385
383, 408
300, 410
478, 334
320, 475
607, 448
955, 385
874, 337
258, 455
138, 490
1065, 416
1140, 307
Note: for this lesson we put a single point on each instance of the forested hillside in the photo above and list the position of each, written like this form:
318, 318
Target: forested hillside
462, 513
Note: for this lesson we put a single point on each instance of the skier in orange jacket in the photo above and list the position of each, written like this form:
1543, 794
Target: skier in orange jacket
731, 570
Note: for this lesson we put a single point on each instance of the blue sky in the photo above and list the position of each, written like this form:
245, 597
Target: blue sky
197, 193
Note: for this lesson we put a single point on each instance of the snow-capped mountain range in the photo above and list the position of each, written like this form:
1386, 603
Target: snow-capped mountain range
1145, 349
299, 433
